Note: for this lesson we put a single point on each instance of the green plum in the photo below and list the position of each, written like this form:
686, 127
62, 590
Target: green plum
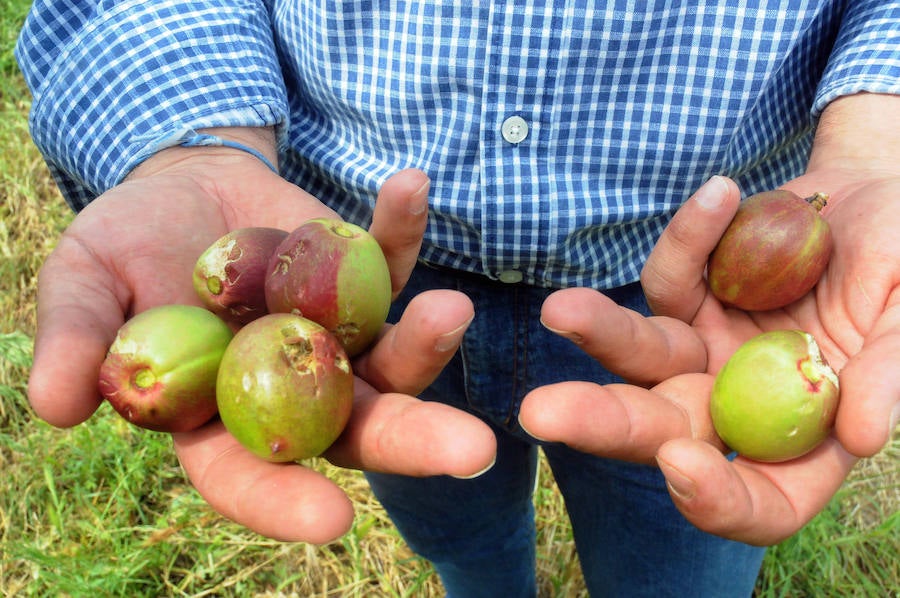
776, 398
160, 371
285, 388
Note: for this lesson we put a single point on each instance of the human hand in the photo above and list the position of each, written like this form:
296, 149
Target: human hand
671, 359
135, 247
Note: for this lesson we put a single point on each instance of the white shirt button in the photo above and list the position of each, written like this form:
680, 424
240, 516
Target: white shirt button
514, 129
510, 276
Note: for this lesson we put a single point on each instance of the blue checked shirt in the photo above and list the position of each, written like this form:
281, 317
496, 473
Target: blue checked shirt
560, 136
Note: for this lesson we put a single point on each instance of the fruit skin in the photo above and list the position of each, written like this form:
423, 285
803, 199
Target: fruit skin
160, 371
773, 252
776, 397
334, 273
285, 388
229, 277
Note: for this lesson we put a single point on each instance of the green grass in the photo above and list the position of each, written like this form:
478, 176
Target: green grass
104, 509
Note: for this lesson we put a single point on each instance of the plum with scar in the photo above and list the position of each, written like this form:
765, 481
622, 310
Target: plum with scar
776, 398
229, 277
334, 273
285, 388
160, 371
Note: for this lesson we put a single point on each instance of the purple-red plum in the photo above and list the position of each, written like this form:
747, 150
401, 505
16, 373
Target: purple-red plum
773, 252
229, 277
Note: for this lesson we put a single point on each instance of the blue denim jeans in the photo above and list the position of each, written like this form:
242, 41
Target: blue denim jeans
480, 533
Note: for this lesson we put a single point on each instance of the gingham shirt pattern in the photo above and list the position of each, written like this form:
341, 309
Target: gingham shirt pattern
630, 105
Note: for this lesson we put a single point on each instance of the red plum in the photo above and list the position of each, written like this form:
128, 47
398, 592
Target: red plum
333, 273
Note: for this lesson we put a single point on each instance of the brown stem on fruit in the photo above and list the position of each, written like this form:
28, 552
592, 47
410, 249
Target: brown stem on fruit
818, 200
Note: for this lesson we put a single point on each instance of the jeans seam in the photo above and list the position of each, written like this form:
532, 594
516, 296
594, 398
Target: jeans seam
519, 356
463, 357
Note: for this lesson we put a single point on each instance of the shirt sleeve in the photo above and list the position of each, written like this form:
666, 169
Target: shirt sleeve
866, 54
115, 82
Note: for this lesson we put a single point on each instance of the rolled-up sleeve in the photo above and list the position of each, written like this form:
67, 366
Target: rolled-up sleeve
113, 83
866, 54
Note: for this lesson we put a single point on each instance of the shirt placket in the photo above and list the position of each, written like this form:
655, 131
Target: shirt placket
519, 68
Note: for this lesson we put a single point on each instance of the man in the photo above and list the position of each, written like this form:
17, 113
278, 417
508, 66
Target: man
559, 142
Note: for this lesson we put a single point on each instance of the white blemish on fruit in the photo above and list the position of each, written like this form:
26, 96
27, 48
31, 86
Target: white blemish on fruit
817, 361
217, 260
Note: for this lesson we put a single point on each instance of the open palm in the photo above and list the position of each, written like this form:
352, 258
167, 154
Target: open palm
135, 247
672, 357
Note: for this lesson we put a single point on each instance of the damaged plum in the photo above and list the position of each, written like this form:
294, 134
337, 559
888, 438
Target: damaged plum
160, 371
776, 398
334, 273
285, 388
229, 277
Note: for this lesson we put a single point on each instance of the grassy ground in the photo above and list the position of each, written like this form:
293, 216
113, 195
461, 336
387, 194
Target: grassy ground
104, 509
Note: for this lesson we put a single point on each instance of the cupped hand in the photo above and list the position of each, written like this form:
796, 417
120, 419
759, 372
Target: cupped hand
135, 247
670, 359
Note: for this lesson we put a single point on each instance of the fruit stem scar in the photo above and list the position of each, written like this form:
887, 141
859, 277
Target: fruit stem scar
144, 378
214, 285
818, 200
343, 231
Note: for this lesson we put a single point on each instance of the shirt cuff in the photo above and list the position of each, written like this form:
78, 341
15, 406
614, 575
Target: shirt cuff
135, 77
864, 58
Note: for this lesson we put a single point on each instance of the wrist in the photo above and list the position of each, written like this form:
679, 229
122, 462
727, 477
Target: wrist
222, 144
859, 135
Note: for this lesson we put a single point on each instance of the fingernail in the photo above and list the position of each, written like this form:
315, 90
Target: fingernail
418, 201
679, 484
533, 435
477, 474
449, 341
712, 193
572, 336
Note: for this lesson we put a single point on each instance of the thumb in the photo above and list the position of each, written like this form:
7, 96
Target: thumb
399, 221
673, 274
870, 397
76, 324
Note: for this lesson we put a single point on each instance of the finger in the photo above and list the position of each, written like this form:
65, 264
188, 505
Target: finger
77, 318
617, 420
397, 433
400, 434
278, 500
410, 355
870, 397
399, 221
751, 502
672, 277
641, 350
